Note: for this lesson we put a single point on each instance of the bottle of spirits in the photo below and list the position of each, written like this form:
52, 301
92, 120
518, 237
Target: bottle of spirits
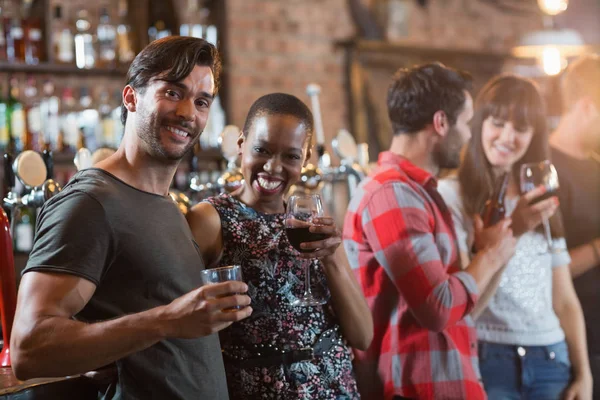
107, 40
49, 106
2, 39
4, 136
33, 116
85, 55
62, 38
68, 122
124, 39
88, 119
107, 128
24, 230
34, 47
16, 116
15, 49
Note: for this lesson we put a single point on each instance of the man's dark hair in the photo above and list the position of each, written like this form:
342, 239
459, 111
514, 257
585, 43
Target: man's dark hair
280, 104
419, 92
172, 58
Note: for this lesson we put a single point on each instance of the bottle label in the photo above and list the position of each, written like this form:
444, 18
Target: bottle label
24, 237
3, 126
34, 119
18, 123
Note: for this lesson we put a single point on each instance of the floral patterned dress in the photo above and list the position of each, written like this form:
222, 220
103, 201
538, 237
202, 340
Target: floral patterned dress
275, 276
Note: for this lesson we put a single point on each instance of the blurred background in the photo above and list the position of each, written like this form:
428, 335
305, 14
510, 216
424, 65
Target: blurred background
63, 66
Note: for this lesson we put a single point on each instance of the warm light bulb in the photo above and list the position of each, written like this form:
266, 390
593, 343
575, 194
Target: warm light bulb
553, 7
552, 62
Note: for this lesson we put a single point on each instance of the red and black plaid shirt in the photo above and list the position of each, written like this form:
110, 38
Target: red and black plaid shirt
400, 241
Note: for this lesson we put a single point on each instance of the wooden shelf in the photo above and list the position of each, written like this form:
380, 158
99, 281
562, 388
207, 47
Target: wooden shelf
61, 69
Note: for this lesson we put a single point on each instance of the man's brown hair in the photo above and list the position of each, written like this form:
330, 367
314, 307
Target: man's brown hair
172, 59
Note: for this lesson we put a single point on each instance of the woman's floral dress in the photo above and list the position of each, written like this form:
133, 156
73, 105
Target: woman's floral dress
275, 276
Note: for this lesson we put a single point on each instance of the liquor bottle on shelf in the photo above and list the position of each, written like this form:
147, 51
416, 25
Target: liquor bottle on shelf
106, 126
2, 38
124, 32
88, 119
49, 107
62, 38
24, 229
4, 136
162, 18
33, 116
116, 117
34, 47
495, 210
16, 116
107, 40
69, 123
85, 55
15, 43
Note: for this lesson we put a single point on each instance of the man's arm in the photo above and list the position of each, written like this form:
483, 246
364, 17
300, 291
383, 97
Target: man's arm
397, 226
46, 341
205, 224
584, 257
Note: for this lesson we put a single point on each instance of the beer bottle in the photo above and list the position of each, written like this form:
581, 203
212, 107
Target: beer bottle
494, 209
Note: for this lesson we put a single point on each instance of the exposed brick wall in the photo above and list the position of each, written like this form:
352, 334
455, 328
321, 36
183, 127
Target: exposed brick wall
282, 45
277, 45
461, 24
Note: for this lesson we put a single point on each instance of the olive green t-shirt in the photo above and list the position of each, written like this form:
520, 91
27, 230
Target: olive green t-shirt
138, 250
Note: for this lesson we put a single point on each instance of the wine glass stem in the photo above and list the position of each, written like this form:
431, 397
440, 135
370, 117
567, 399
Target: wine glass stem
307, 292
548, 233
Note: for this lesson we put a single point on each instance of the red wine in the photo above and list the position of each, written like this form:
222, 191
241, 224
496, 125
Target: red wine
303, 235
547, 195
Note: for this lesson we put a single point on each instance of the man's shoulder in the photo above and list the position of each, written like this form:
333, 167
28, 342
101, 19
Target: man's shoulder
86, 189
382, 184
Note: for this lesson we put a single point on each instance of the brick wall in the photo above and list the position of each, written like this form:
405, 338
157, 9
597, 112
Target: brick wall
277, 45
282, 45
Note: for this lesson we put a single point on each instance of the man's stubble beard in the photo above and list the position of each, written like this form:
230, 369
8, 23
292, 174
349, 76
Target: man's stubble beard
150, 135
446, 154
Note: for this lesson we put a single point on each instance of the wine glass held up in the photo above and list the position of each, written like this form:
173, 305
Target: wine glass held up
541, 174
308, 231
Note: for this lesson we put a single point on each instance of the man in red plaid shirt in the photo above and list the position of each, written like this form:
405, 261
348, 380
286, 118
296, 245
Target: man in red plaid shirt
400, 241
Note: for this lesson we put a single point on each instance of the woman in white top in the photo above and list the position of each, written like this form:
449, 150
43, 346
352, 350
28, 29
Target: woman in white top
530, 326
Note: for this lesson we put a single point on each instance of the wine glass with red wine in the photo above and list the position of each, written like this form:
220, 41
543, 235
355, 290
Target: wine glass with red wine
534, 175
300, 212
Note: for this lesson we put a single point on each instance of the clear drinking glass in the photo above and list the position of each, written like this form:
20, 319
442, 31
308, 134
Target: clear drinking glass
301, 209
222, 274
534, 175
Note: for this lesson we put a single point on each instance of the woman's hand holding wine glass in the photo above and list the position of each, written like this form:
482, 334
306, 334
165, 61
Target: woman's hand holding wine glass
331, 238
528, 214
543, 174
307, 230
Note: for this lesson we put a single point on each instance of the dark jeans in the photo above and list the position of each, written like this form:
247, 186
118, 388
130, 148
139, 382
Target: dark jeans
524, 372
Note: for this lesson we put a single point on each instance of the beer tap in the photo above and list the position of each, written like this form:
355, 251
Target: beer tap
313, 90
35, 173
349, 170
31, 171
11, 198
39, 195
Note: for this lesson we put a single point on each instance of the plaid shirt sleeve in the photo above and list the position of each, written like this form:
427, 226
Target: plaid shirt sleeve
398, 225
